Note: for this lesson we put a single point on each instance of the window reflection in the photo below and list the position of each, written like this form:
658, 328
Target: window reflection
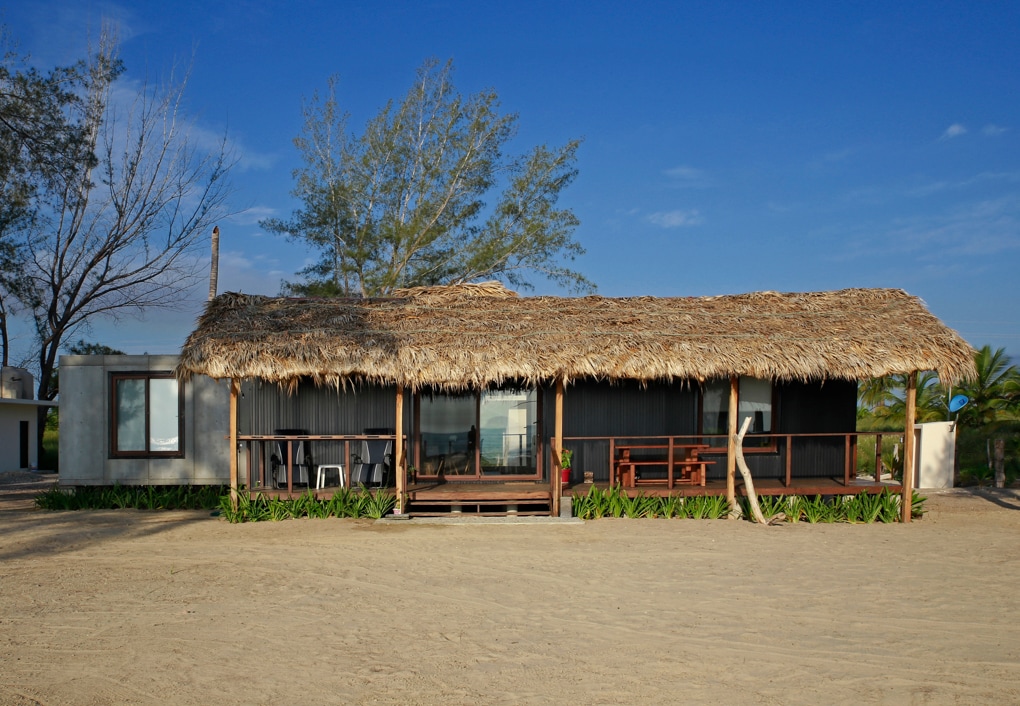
508, 422
491, 433
447, 428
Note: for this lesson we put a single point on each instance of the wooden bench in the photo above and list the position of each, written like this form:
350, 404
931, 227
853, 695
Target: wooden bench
687, 470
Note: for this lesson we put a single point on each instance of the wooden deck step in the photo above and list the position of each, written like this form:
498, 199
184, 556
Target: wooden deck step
478, 499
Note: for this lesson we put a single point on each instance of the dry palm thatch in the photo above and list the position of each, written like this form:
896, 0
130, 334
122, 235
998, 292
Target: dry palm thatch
475, 335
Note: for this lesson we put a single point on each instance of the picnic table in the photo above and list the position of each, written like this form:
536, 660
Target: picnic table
680, 461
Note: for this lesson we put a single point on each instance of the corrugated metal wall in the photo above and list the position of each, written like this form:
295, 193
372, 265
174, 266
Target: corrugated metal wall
590, 409
319, 410
604, 409
265, 408
814, 408
805, 408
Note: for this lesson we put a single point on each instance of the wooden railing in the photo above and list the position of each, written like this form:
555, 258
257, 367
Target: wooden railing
258, 453
760, 444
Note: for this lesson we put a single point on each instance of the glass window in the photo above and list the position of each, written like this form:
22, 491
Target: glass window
448, 435
715, 404
164, 415
492, 433
130, 415
146, 415
508, 419
754, 400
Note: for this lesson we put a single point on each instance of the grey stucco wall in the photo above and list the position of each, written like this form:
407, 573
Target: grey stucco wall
12, 414
85, 426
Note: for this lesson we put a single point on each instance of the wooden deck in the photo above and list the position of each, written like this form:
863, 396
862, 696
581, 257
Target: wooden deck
534, 498
523, 498
762, 486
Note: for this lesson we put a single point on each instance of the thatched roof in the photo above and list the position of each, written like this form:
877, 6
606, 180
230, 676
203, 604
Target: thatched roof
468, 336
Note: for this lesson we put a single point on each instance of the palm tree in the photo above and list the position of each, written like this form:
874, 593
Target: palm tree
876, 393
930, 401
991, 391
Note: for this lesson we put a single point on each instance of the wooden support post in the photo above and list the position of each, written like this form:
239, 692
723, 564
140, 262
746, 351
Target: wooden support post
347, 463
556, 481
907, 500
290, 467
731, 447
752, 496
671, 463
878, 458
398, 453
846, 460
789, 460
235, 388
612, 461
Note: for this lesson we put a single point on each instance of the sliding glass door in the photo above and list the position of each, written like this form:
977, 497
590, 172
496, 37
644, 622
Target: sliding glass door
448, 427
509, 423
491, 435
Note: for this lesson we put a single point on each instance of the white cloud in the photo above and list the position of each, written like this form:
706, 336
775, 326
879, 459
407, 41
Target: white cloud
969, 234
778, 207
837, 155
831, 159
246, 158
676, 219
255, 274
993, 130
687, 177
982, 179
62, 33
954, 130
251, 216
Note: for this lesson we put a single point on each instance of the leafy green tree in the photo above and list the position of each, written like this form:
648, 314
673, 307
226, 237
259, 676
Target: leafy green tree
875, 394
116, 228
404, 203
882, 401
38, 145
991, 391
79, 347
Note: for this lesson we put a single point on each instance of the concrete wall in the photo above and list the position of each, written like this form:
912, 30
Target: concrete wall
12, 413
85, 426
936, 452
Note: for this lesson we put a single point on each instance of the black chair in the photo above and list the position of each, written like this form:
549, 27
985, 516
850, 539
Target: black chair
372, 465
300, 462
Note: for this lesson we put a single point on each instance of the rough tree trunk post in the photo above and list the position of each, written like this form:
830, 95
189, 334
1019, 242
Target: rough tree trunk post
235, 388
398, 453
557, 475
752, 496
1000, 463
731, 449
907, 499
214, 268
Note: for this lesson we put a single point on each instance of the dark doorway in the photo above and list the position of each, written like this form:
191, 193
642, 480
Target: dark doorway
24, 445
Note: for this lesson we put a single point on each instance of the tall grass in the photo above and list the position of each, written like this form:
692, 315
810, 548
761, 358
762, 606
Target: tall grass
256, 507
50, 458
613, 502
251, 507
860, 508
142, 497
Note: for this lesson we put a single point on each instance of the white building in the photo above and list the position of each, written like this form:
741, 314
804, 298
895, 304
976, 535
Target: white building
19, 420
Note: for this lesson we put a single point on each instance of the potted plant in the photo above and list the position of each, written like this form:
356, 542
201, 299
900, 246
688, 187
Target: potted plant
566, 458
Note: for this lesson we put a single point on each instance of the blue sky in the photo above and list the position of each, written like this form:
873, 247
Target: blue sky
728, 146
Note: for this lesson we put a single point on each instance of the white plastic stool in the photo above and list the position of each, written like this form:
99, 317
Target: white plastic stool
320, 476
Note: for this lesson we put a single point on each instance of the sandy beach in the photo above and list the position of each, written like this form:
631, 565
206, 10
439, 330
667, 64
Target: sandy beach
135, 607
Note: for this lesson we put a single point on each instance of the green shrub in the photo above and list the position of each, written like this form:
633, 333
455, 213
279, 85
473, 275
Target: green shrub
344, 503
50, 458
142, 497
859, 508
